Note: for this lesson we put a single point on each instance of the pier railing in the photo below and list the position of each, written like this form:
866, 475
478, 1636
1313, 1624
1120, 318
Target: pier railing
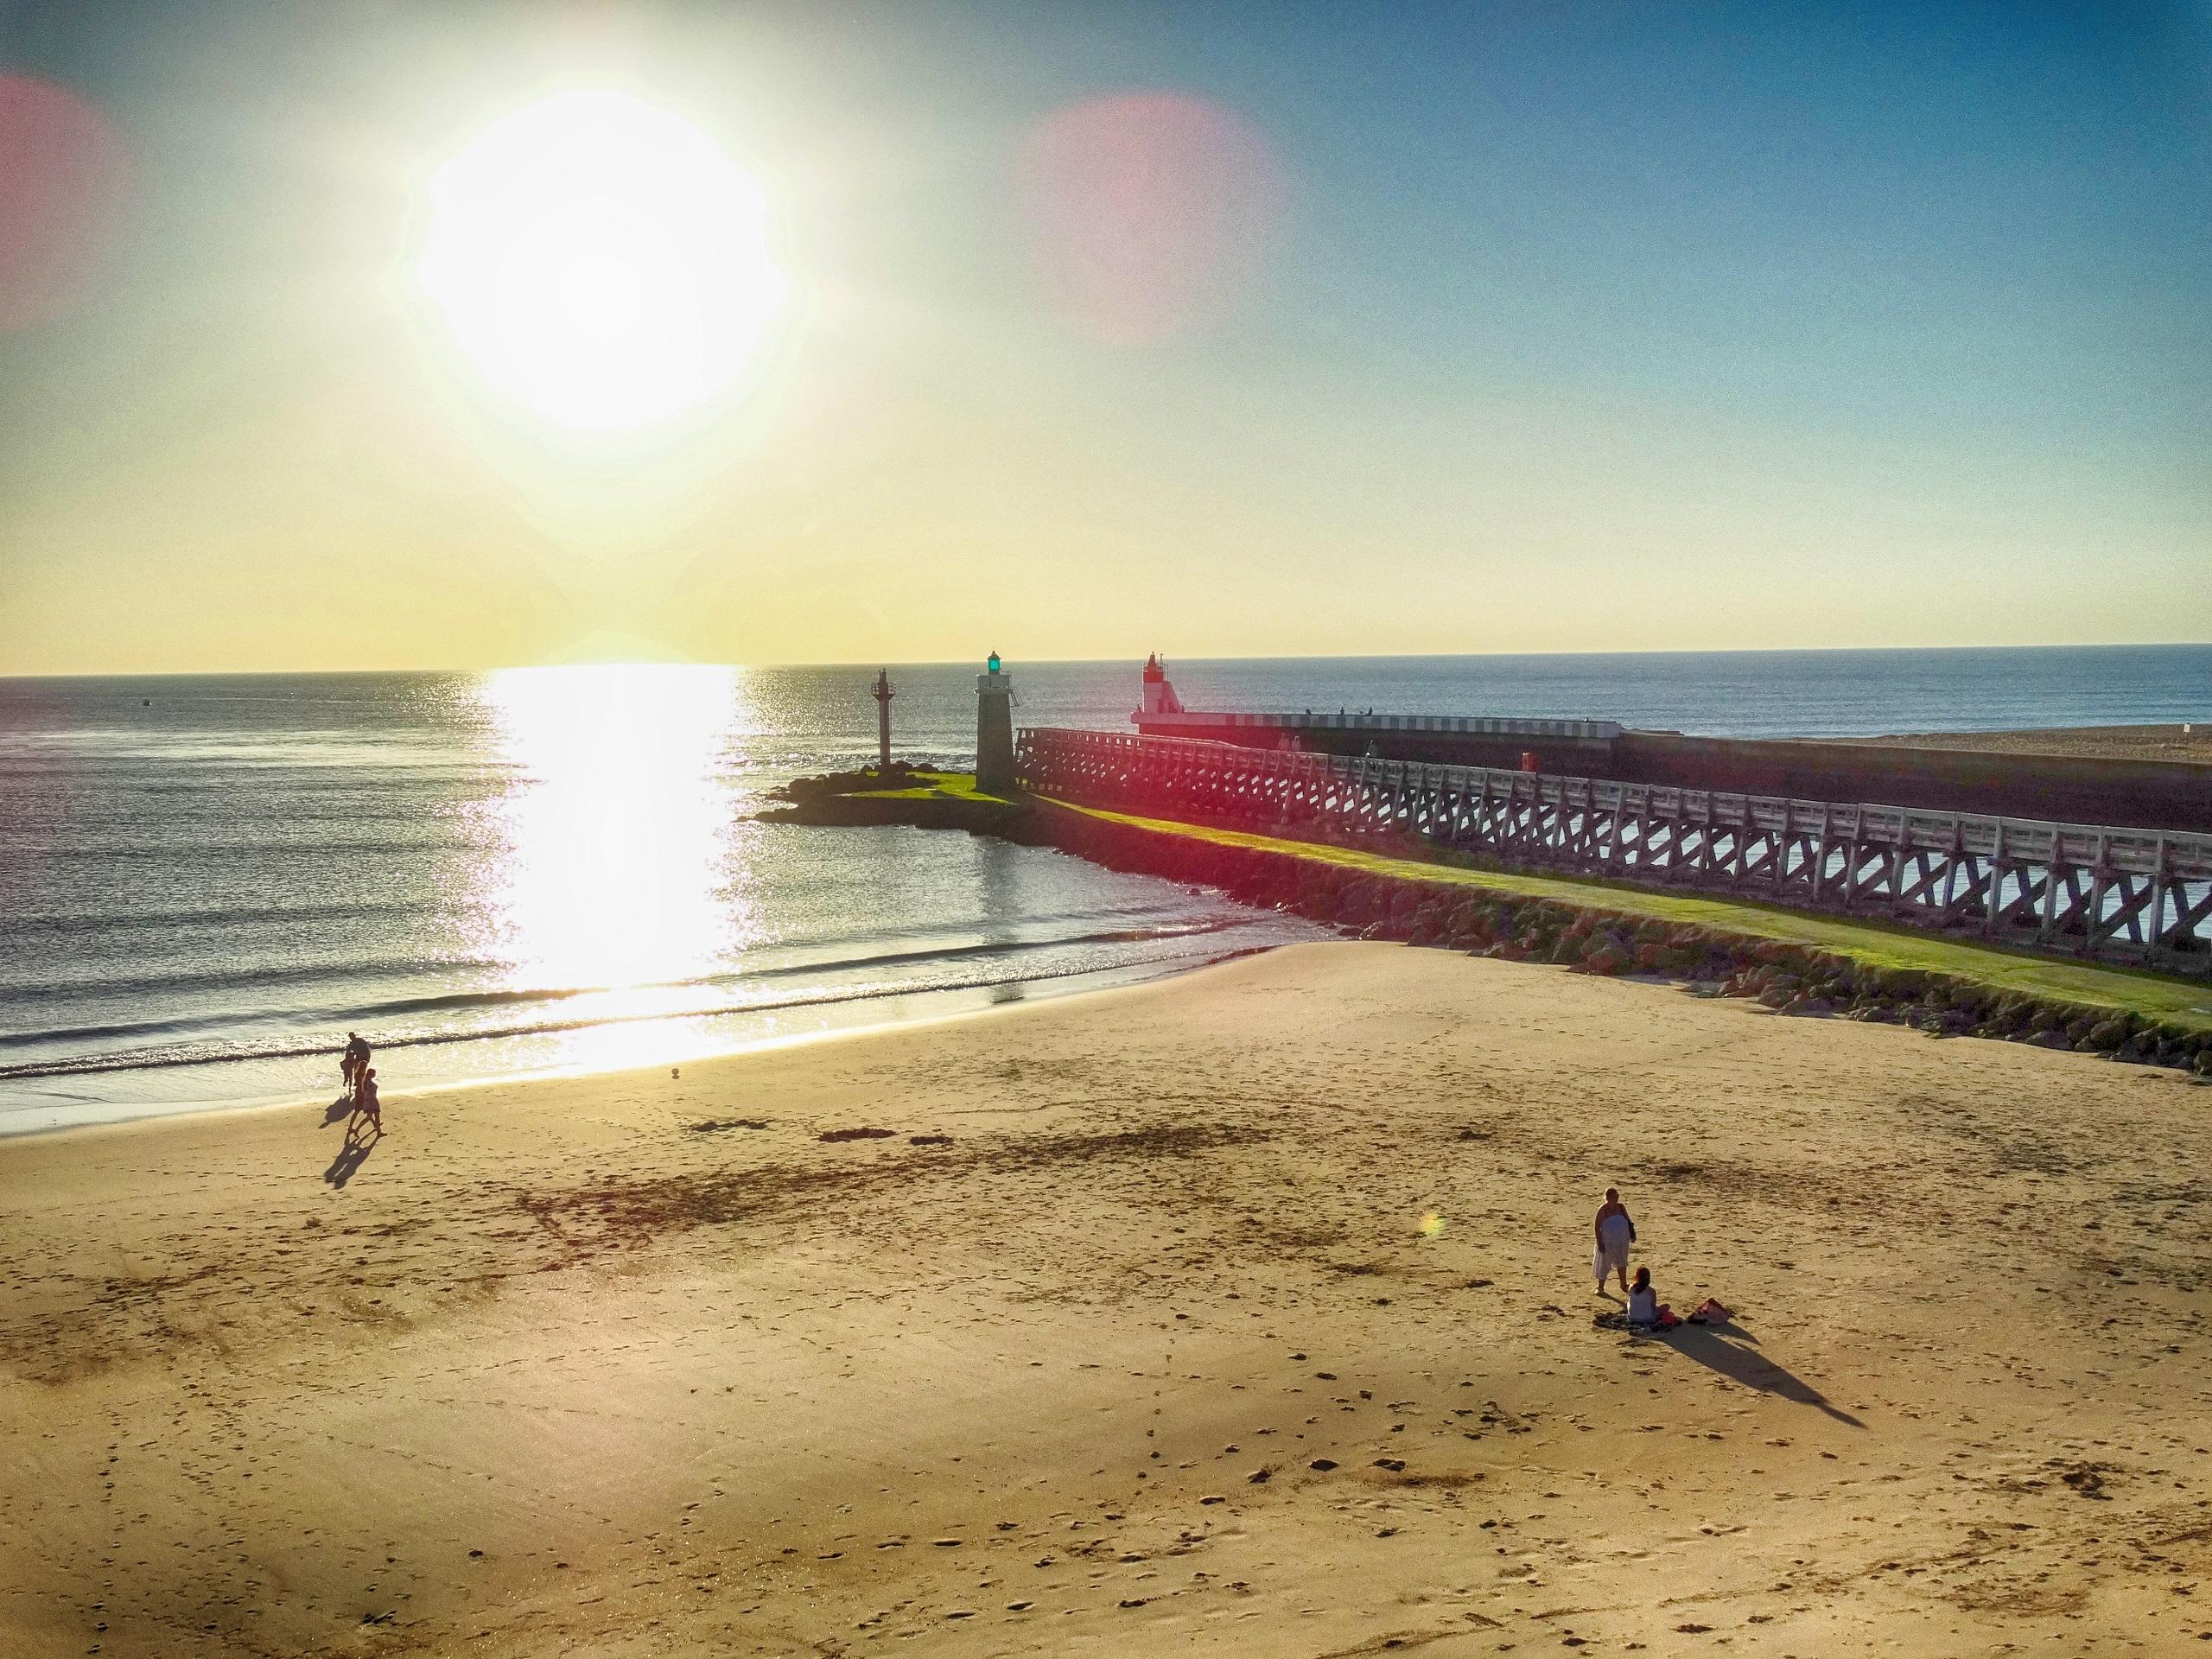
2129, 895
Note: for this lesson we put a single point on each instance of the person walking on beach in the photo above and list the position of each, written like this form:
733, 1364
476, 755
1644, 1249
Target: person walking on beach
365, 1104
354, 1062
1616, 1232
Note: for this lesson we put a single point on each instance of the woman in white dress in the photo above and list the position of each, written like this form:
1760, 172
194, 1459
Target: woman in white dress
1616, 1232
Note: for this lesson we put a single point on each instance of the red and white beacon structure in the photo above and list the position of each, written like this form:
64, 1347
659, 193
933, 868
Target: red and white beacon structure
1159, 696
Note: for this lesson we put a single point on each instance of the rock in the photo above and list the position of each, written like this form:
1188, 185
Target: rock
2106, 1035
1323, 1464
1466, 927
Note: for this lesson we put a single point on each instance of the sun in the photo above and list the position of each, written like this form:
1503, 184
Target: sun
601, 262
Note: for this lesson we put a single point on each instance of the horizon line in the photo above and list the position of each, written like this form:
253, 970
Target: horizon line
1055, 662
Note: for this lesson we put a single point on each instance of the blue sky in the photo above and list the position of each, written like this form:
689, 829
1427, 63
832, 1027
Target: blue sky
1580, 327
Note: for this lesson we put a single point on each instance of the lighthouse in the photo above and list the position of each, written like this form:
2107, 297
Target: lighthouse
883, 694
1159, 696
993, 728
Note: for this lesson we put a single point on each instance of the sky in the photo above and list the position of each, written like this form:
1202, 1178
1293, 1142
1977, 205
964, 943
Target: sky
1230, 330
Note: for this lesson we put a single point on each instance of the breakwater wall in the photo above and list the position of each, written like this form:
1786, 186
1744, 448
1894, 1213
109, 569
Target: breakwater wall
2134, 897
2146, 794
2168, 795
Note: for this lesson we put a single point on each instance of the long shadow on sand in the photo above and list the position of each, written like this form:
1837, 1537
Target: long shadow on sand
360, 1140
1740, 1363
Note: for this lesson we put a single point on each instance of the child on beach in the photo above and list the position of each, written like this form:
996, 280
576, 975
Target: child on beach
354, 1062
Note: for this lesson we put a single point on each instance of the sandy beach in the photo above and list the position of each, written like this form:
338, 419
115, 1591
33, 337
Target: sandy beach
1130, 1338
2191, 742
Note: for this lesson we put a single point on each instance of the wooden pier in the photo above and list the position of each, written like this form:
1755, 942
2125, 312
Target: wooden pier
2131, 896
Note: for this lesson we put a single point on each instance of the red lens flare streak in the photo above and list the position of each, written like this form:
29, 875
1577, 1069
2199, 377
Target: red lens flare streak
63, 175
1155, 211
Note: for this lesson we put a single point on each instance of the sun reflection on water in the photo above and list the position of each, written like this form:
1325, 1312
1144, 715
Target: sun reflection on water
616, 866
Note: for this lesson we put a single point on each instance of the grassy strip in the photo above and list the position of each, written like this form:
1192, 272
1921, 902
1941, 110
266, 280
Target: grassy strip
942, 787
2173, 1003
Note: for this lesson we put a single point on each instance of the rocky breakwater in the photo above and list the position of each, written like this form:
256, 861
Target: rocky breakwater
1454, 911
1791, 978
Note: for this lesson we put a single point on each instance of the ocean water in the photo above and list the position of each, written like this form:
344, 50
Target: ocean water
206, 881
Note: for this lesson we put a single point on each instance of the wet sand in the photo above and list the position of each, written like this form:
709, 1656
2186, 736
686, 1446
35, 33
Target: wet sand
1151, 1354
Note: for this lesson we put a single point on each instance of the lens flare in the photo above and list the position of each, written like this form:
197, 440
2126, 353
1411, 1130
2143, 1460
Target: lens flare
1431, 1225
63, 175
1154, 211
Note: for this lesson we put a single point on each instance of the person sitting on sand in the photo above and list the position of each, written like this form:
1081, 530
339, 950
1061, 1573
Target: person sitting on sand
1643, 1300
1645, 1311
354, 1062
1616, 1232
